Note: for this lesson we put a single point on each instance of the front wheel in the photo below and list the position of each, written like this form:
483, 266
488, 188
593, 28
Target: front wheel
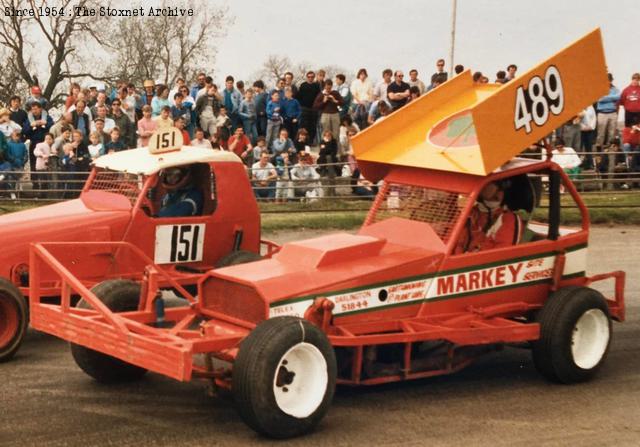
575, 334
284, 377
13, 319
118, 295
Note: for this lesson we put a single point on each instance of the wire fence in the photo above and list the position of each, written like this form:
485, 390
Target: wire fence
325, 186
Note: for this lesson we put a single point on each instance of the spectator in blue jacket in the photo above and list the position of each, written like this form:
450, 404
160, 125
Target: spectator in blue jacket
180, 108
280, 84
16, 153
282, 144
292, 111
607, 109
231, 101
274, 117
249, 117
16, 156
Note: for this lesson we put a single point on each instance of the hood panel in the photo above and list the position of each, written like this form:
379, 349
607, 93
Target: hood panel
391, 249
65, 221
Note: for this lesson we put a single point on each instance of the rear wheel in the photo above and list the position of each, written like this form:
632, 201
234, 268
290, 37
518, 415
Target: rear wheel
284, 377
13, 319
118, 295
575, 333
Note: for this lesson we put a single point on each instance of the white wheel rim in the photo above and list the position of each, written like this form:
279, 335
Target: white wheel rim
300, 381
590, 338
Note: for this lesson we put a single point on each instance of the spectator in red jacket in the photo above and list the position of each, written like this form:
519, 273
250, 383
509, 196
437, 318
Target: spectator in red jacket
630, 100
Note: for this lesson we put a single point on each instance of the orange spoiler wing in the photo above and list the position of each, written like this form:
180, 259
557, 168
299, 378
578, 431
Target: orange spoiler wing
472, 128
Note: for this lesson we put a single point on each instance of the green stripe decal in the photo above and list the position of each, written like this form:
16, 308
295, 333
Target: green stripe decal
434, 275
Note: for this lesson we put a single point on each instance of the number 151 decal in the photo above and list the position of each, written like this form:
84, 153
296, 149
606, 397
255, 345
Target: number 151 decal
179, 243
542, 97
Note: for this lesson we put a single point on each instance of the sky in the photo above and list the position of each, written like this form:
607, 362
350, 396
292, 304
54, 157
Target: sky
405, 34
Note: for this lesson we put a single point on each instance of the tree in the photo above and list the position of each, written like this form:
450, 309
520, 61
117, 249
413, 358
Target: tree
57, 35
165, 48
275, 66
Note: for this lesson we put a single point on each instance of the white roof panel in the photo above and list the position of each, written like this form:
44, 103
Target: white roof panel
140, 161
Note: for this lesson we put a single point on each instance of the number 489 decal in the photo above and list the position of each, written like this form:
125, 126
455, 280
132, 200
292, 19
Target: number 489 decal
542, 97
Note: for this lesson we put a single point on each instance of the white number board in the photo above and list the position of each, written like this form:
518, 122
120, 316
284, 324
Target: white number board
165, 140
542, 96
179, 243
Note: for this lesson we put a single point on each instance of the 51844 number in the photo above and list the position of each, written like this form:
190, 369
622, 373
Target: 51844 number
541, 98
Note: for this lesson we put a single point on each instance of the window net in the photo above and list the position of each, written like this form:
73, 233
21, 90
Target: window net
438, 208
128, 185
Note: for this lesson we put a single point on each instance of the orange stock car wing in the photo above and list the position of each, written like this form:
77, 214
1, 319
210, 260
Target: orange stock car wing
474, 128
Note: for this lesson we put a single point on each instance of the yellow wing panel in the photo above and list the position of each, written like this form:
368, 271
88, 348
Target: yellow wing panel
531, 106
473, 129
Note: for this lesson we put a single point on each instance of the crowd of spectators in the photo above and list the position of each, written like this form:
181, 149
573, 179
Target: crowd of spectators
291, 136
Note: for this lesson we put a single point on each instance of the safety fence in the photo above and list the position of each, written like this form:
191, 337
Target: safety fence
334, 190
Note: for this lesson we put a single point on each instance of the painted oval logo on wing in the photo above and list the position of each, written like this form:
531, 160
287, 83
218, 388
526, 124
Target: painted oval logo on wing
455, 131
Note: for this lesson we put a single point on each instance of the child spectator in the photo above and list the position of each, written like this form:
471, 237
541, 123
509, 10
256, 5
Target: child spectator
343, 142
96, 148
17, 156
240, 145
291, 111
179, 123
200, 141
223, 124
7, 126
81, 152
274, 116
283, 144
146, 126
631, 143
180, 109
68, 164
302, 141
5, 167
283, 185
261, 146
16, 153
215, 142
116, 144
248, 115
414, 93
42, 151
328, 154
164, 121
65, 137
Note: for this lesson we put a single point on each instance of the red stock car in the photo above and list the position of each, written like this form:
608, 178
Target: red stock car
393, 302
119, 202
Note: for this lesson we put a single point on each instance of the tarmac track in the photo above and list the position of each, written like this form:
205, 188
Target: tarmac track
45, 400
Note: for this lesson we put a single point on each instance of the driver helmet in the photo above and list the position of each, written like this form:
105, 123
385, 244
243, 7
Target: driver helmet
175, 178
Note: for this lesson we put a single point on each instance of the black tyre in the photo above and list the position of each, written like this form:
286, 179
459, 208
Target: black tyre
118, 295
14, 319
284, 377
575, 334
238, 257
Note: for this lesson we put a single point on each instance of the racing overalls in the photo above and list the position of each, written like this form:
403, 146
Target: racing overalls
486, 229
